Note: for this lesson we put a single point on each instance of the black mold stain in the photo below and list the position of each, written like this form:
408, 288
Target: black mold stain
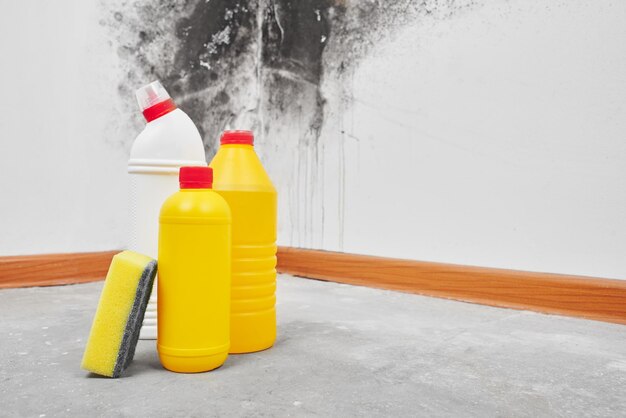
295, 33
264, 65
256, 63
214, 39
213, 35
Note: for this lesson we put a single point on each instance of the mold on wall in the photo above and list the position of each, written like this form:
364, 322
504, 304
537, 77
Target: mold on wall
279, 67
204, 52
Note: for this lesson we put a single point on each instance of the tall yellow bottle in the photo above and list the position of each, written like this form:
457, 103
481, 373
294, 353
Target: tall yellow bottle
194, 276
242, 181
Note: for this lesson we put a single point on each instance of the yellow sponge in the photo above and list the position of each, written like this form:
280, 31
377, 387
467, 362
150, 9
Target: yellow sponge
115, 328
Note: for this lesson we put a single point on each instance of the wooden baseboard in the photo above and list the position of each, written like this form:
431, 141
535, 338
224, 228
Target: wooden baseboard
586, 297
53, 269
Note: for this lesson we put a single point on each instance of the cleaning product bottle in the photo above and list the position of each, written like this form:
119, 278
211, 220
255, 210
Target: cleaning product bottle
242, 181
170, 140
194, 275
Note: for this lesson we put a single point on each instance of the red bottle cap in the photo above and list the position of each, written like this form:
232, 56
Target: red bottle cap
237, 137
195, 177
159, 109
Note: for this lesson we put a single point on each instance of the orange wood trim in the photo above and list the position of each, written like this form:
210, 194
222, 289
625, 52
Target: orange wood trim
591, 298
53, 269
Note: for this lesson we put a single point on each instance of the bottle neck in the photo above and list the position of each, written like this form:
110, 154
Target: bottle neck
234, 145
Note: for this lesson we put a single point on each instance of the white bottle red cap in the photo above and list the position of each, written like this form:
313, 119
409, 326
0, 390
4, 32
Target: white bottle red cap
154, 101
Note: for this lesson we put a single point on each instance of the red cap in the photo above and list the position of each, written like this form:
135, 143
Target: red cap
159, 109
195, 177
237, 137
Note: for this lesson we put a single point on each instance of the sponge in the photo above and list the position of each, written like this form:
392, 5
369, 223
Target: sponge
115, 328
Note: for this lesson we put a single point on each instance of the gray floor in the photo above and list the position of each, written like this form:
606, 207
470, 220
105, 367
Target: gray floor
342, 351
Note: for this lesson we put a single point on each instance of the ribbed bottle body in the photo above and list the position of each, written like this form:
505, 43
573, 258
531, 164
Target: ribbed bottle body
253, 279
241, 180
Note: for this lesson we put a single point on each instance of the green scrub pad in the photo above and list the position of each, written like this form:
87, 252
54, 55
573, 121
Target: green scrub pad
116, 325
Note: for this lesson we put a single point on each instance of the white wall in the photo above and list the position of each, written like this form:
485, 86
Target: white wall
63, 143
495, 137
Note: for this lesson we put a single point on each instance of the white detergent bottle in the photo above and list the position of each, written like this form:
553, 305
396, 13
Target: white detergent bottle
169, 141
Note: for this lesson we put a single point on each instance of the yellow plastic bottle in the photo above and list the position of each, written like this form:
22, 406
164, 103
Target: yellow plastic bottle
242, 181
194, 276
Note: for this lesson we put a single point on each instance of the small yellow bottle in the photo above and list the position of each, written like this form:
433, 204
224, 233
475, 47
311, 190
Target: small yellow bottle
194, 275
242, 181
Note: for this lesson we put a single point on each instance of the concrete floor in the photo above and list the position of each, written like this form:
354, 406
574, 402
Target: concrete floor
342, 351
